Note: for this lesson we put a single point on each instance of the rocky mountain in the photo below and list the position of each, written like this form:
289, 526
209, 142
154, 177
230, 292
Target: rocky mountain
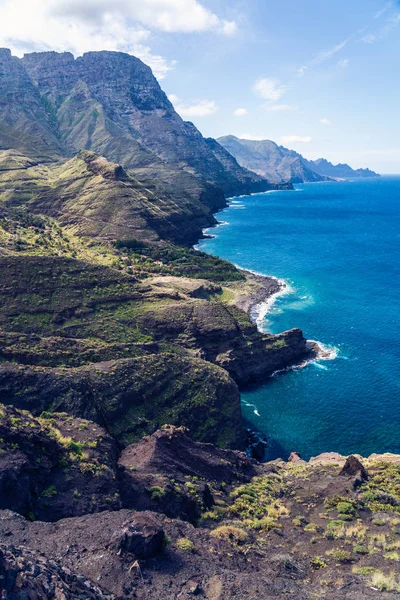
54, 105
279, 164
340, 171
270, 160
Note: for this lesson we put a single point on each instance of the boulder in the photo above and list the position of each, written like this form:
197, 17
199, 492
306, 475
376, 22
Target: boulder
142, 535
354, 468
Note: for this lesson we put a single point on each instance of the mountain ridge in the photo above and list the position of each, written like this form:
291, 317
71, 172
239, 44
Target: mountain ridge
279, 164
111, 103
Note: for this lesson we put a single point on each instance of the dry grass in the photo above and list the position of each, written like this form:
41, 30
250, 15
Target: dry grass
230, 533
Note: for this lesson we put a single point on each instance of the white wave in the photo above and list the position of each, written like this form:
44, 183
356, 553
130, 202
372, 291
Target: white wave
323, 352
316, 364
260, 311
257, 413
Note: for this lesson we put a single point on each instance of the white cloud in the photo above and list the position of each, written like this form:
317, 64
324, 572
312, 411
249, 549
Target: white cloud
167, 15
381, 12
343, 64
295, 139
384, 31
79, 26
269, 89
241, 112
328, 54
322, 57
229, 27
279, 107
325, 122
202, 108
302, 70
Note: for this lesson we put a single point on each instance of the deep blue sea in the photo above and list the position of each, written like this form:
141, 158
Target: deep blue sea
337, 245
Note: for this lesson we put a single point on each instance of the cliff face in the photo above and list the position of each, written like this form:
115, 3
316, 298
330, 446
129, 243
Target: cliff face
278, 164
111, 103
341, 171
269, 160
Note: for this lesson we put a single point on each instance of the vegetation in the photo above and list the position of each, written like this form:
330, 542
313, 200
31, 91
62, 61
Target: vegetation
185, 545
230, 533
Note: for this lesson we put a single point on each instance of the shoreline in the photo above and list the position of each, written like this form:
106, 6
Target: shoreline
260, 294
257, 300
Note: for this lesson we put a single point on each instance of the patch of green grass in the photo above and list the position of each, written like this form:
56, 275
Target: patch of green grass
364, 570
340, 555
384, 582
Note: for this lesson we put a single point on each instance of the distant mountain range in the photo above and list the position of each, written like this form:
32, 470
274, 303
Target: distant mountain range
279, 164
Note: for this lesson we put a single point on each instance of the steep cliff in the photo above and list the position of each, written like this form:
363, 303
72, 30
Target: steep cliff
111, 103
279, 164
269, 160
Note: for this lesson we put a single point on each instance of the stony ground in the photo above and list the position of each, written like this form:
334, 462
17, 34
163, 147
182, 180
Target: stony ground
186, 519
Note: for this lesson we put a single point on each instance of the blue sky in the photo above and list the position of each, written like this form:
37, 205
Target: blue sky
319, 77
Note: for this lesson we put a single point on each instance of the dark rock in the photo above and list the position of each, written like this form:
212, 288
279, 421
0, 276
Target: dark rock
255, 445
353, 467
147, 469
46, 474
26, 574
142, 536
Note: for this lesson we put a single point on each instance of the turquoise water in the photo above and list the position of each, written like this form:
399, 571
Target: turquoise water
337, 246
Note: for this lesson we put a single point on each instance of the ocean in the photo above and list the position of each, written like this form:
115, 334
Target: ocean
336, 245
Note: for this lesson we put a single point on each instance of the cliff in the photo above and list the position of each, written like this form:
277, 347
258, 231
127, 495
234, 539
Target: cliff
111, 103
269, 160
340, 171
279, 164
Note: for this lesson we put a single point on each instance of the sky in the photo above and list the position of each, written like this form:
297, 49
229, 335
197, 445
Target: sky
317, 76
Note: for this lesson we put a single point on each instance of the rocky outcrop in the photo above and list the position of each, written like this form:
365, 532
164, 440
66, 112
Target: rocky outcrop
141, 535
26, 574
133, 397
167, 472
55, 467
294, 530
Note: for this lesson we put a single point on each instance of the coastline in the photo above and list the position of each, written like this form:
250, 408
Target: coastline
257, 298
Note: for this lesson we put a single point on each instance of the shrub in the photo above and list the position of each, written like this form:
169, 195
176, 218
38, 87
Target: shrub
392, 555
385, 583
340, 555
49, 492
186, 545
364, 570
312, 528
157, 492
346, 508
318, 563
